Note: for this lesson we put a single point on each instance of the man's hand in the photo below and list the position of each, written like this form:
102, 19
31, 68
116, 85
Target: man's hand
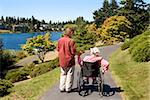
80, 52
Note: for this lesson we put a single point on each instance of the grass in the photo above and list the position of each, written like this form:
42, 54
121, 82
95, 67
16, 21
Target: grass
34, 88
132, 76
5, 31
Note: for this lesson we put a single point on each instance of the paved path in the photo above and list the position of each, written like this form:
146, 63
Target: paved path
111, 89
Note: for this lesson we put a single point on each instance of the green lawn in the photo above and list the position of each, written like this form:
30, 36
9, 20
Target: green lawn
132, 76
5, 31
36, 87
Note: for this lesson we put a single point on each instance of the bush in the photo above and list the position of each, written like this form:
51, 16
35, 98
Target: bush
141, 52
16, 75
139, 47
5, 87
138, 41
20, 54
45, 67
20, 74
134, 41
125, 46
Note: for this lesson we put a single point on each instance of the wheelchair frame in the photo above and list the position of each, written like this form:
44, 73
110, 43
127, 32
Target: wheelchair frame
88, 71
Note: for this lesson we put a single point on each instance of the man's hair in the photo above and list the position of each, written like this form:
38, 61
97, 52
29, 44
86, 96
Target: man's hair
67, 31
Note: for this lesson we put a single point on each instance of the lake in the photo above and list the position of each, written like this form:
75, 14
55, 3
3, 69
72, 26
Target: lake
15, 40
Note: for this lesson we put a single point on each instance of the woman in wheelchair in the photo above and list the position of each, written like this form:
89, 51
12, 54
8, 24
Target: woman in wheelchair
91, 64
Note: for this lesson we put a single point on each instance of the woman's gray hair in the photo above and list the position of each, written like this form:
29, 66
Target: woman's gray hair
94, 51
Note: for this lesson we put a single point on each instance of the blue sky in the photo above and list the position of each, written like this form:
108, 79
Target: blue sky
55, 10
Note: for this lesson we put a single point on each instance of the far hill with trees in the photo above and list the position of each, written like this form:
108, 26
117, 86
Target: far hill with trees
21, 24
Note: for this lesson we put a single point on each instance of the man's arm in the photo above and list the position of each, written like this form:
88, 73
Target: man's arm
73, 48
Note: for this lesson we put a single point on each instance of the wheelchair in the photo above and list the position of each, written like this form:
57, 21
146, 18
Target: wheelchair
92, 70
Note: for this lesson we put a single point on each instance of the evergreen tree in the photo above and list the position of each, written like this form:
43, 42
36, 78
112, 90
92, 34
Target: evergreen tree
107, 10
18, 20
105, 5
114, 4
136, 11
2, 19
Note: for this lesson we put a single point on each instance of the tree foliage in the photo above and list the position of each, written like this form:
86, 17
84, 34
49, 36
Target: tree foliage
5, 87
85, 40
115, 28
6, 59
85, 35
136, 11
139, 47
107, 10
40, 41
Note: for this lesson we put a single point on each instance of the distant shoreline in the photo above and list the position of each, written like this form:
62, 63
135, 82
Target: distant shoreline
10, 32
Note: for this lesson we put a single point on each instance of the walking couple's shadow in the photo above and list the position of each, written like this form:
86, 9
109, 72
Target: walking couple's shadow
107, 90
110, 91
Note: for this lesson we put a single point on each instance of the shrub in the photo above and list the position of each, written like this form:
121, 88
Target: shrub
5, 87
20, 54
20, 74
137, 42
134, 41
16, 75
45, 67
141, 52
125, 46
39, 70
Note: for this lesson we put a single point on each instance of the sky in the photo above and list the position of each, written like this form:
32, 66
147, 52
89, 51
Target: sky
55, 10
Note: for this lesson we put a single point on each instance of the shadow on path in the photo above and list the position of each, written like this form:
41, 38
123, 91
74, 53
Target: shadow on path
107, 92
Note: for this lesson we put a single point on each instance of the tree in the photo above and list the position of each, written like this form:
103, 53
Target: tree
85, 40
2, 19
43, 22
6, 59
136, 11
33, 22
86, 37
18, 20
80, 22
39, 44
105, 5
1, 53
115, 29
91, 28
107, 10
114, 4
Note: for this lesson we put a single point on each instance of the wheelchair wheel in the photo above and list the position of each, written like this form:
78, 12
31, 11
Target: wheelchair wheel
80, 84
100, 85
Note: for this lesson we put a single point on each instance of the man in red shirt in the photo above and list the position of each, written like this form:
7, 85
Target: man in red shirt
66, 51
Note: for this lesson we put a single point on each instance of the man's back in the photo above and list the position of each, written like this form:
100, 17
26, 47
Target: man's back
66, 49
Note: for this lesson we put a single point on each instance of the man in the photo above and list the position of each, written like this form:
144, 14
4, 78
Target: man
66, 51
